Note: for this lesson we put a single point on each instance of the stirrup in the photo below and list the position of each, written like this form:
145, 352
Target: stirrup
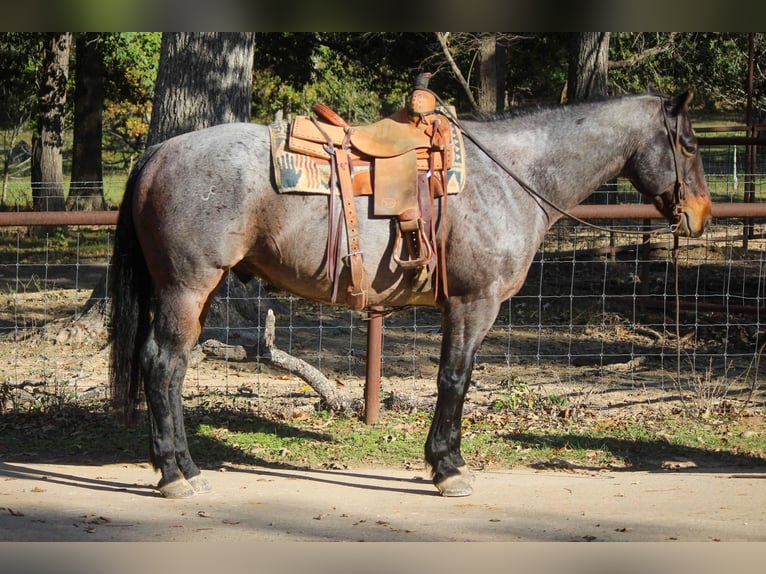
417, 241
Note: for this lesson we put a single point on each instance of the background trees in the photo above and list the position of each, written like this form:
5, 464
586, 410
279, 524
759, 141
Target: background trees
48, 140
362, 76
204, 79
87, 168
19, 57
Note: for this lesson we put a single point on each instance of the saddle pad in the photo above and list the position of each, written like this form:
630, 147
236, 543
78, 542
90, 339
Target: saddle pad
299, 173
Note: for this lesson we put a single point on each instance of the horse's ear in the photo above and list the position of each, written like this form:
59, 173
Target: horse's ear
650, 89
681, 101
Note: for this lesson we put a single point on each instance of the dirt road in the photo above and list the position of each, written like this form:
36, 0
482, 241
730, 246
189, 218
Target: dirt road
46, 502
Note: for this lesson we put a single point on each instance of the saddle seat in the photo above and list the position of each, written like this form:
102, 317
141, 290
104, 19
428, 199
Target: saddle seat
390, 137
402, 161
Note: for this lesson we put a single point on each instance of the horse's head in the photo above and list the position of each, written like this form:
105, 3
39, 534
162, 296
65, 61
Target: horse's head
669, 171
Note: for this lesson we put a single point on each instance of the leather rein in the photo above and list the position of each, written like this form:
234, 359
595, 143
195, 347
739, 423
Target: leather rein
679, 192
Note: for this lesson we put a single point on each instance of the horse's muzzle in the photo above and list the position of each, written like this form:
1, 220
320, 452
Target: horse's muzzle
693, 216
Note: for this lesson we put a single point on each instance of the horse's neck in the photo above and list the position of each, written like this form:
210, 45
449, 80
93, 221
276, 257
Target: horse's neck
571, 152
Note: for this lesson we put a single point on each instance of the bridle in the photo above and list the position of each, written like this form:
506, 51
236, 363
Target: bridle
679, 191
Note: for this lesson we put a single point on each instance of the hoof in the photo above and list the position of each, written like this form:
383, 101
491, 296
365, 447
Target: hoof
457, 485
177, 489
469, 476
200, 484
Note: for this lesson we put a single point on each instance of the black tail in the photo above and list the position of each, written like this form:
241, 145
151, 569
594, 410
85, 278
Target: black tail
130, 290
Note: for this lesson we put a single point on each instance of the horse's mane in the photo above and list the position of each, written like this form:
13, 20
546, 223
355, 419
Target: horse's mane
529, 111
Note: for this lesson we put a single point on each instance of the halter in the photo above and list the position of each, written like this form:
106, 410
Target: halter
679, 191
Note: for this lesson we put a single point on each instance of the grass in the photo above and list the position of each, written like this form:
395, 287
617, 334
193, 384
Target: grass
493, 439
19, 193
81, 244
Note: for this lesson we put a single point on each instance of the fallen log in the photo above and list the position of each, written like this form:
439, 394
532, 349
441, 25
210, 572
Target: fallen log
326, 389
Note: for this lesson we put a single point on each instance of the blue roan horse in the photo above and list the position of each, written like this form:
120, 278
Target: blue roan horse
204, 203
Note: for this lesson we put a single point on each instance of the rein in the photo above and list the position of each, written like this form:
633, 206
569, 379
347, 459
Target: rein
679, 190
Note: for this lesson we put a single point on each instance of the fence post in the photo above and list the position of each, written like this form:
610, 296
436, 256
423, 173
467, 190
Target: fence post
374, 352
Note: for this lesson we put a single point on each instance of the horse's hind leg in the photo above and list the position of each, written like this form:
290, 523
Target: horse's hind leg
464, 326
174, 332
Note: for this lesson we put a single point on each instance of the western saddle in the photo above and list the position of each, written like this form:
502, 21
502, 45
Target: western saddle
408, 154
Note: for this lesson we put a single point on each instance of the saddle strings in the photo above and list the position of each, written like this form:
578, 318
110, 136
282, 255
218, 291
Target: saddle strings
535, 194
333, 229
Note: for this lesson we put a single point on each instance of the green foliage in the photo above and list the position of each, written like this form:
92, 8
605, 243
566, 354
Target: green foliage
131, 60
714, 63
20, 55
537, 69
352, 74
365, 76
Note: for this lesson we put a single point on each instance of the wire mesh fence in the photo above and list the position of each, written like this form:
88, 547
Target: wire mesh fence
599, 311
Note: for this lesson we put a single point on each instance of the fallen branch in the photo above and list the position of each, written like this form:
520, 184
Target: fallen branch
327, 390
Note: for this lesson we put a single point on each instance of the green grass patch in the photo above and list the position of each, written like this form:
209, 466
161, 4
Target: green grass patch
491, 440
59, 246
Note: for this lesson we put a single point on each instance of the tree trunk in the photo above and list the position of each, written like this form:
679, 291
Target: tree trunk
588, 65
204, 79
491, 94
86, 191
47, 162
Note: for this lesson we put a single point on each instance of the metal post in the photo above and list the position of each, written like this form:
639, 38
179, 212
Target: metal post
374, 352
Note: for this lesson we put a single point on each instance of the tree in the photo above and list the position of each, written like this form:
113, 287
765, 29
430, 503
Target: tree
461, 51
47, 161
491, 91
20, 55
361, 76
588, 66
87, 190
204, 79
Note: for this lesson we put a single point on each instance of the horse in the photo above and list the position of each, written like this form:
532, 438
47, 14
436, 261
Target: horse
202, 204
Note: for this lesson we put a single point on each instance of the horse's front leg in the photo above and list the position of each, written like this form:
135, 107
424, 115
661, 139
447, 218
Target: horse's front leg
464, 326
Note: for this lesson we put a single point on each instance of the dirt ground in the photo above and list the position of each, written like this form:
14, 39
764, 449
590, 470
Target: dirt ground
682, 501
42, 502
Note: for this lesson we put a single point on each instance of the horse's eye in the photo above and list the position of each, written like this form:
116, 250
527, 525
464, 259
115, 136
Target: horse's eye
689, 150
688, 146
